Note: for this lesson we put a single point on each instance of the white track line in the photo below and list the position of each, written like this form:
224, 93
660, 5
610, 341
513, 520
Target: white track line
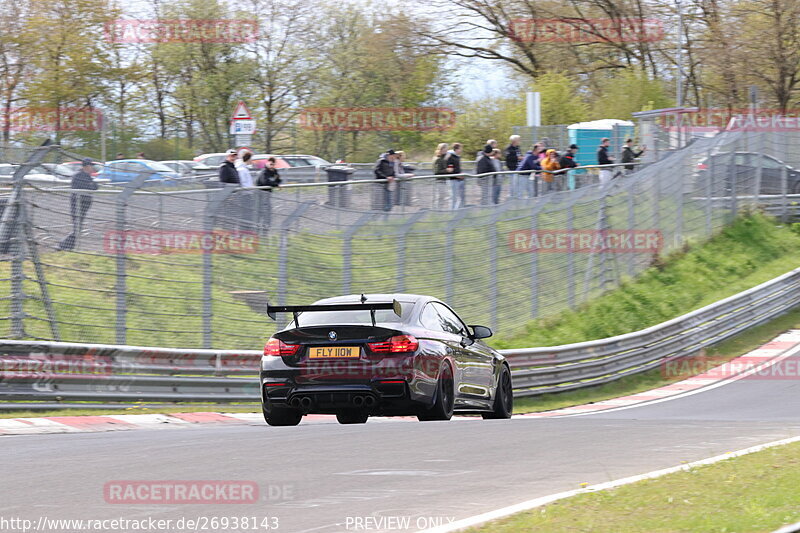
544, 500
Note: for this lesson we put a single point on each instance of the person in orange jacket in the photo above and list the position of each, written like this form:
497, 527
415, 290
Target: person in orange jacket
550, 162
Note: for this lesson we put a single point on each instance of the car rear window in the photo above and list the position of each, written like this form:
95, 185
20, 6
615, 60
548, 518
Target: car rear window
337, 318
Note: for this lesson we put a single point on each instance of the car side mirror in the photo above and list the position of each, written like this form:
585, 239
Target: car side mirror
481, 332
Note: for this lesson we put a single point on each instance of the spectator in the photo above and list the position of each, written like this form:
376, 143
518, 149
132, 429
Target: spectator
513, 158
245, 178
384, 170
457, 184
140, 155
550, 162
484, 166
530, 162
439, 169
568, 161
402, 194
246, 181
629, 155
79, 202
491, 144
604, 159
269, 177
497, 181
120, 155
227, 170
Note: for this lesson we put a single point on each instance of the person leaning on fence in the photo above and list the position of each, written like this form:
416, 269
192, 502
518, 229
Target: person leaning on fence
484, 166
457, 185
246, 198
497, 181
268, 177
550, 162
491, 144
567, 160
79, 202
629, 155
606, 174
530, 162
227, 170
384, 170
439, 165
514, 157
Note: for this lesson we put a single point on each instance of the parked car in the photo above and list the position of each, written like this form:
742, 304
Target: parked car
301, 160
743, 166
188, 168
381, 354
39, 175
125, 170
213, 161
259, 161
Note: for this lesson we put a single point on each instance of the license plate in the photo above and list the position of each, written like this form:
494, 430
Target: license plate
333, 352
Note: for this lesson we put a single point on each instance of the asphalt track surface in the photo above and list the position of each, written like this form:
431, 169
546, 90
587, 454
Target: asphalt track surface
325, 477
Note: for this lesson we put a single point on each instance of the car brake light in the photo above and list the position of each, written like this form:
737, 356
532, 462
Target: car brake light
702, 166
396, 344
278, 348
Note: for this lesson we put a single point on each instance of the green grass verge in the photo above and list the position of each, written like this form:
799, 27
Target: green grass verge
755, 492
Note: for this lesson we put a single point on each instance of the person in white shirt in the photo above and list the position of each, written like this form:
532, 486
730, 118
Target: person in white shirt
245, 178
245, 197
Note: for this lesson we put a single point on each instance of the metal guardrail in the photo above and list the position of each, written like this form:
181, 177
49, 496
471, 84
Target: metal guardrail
56, 372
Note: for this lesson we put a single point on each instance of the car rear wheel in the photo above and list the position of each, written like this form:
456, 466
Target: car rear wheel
442, 408
352, 417
281, 416
503, 398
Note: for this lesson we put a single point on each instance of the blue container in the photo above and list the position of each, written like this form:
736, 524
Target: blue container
587, 135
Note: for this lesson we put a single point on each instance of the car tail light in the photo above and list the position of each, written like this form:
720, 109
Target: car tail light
396, 344
702, 166
278, 348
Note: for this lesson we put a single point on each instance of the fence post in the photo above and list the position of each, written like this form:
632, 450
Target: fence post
570, 258
679, 197
120, 288
347, 250
710, 178
631, 226
448, 253
17, 277
759, 169
401, 249
218, 196
733, 175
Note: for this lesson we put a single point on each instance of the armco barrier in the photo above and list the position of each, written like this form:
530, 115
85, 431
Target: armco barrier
55, 372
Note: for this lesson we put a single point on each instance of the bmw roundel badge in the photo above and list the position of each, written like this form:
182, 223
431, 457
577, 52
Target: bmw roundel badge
332, 335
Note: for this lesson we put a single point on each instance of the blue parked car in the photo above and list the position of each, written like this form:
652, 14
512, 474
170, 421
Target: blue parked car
125, 170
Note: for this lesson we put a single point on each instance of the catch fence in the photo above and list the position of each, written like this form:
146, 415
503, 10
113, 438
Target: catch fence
192, 264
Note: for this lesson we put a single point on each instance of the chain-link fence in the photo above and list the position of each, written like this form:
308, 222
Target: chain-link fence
151, 264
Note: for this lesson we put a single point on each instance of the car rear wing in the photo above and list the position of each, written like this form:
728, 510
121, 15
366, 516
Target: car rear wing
394, 305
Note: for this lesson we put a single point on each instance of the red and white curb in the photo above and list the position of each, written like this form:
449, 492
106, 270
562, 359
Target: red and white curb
738, 368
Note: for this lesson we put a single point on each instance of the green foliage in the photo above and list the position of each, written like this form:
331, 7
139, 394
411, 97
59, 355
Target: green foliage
628, 92
749, 252
560, 99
